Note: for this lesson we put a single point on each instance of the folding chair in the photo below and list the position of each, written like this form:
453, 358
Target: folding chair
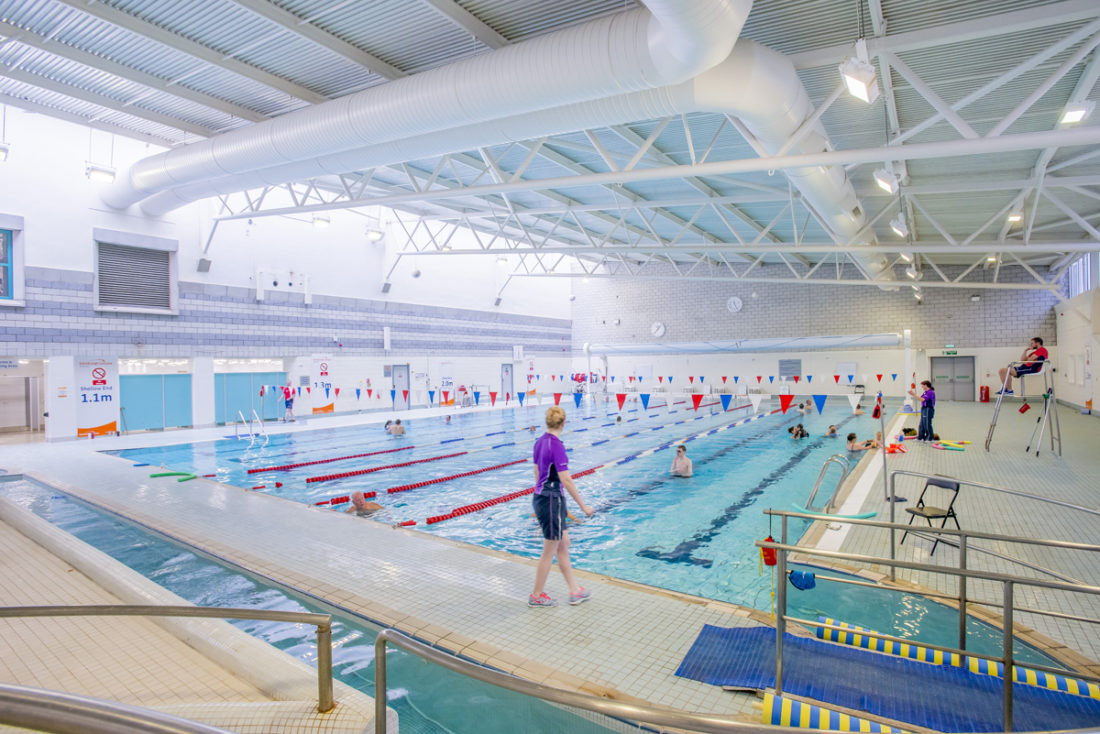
930, 513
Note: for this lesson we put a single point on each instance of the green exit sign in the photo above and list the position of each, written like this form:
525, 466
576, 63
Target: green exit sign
948, 346
950, 352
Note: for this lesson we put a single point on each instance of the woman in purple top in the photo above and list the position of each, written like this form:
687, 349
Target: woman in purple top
927, 410
551, 474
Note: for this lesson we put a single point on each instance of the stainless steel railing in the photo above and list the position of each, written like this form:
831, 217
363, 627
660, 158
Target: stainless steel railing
67, 713
1008, 582
680, 720
323, 622
841, 461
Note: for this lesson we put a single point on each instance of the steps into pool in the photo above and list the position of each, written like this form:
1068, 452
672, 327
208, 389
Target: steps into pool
941, 697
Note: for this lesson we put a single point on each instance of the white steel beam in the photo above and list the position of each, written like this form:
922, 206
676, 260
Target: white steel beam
468, 22
305, 29
193, 49
65, 51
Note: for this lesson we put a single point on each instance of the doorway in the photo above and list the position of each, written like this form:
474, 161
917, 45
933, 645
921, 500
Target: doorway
507, 384
953, 378
400, 375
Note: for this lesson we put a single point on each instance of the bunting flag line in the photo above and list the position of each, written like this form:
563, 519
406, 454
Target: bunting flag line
700, 379
645, 400
836, 378
691, 379
809, 378
724, 379
326, 393
336, 391
612, 378
557, 398
357, 392
894, 377
695, 400
771, 378
670, 379
735, 378
755, 399
477, 397
850, 379
661, 378
431, 397
308, 391
405, 395
492, 398
507, 397
520, 396
758, 378
785, 402
725, 398
577, 399
853, 400
369, 391
620, 398
445, 394
819, 401
796, 379
393, 397
879, 377
262, 390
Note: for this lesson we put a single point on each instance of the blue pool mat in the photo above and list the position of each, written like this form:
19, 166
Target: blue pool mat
939, 697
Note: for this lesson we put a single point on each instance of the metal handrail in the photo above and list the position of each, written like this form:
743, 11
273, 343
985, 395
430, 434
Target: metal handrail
323, 623
1008, 582
259, 422
38, 709
845, 466
237, 428
681, 720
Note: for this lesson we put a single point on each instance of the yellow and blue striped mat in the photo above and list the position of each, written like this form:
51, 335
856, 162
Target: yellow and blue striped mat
853, 635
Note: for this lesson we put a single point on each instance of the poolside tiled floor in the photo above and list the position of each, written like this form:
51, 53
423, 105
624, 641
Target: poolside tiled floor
629, 640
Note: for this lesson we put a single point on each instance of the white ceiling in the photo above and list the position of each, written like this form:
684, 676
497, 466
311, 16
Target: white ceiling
175, 71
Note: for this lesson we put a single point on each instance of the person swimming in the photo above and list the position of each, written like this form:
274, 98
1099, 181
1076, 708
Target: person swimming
362, 507
832, 432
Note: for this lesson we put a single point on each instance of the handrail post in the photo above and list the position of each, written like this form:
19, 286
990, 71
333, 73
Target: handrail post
893, 533
1009, 665
380, 693
324, 669
781, 610
962, 592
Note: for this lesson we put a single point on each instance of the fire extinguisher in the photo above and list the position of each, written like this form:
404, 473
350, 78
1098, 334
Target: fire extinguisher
983, 394
769, 554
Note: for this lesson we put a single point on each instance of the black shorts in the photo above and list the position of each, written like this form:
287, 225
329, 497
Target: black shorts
550, 511
1028, 369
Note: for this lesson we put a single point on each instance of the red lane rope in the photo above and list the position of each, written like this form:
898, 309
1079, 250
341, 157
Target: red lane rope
360, 472
426, 483
467, 509
345, 498
287, 467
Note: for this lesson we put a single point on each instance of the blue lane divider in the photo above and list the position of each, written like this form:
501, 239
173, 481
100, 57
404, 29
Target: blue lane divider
494, 433
452, 440
597, 443
502, 445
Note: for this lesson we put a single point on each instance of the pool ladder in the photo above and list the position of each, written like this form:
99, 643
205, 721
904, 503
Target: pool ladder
840, 460
252, 433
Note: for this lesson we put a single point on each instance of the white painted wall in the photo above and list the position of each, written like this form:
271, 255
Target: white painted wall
61, 392
820, 365
1078, 339
43, 181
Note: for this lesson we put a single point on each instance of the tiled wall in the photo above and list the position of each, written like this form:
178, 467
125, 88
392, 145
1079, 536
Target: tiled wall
696, 311
59, 318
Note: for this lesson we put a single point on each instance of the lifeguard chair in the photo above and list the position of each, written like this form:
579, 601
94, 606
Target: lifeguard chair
1046, 370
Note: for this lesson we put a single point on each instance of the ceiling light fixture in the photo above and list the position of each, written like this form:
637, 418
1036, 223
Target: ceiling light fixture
501, 260
906, 257
899, 226
975, 298
5, 148
1076, 112
1015, 217
886, 181
99, 172
991, 259
374, 235
859, 75
321, 221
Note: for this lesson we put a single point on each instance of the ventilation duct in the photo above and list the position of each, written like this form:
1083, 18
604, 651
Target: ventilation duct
667, 43
778, 344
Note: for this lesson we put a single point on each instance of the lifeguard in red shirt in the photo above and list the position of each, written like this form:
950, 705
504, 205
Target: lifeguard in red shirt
1033, 357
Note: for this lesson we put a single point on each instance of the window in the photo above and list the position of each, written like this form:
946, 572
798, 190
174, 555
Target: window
788, 368
1079, 275
6, 248
135, 273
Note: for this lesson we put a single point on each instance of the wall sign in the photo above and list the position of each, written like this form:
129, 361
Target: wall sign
97, 397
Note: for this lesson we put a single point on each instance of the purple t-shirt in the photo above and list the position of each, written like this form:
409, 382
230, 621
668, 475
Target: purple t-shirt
549, 451
928, 399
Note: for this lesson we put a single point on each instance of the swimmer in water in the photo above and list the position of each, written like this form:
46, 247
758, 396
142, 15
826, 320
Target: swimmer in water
361, 507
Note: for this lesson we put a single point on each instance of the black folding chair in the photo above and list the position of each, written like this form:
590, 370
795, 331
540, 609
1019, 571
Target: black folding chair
930, 512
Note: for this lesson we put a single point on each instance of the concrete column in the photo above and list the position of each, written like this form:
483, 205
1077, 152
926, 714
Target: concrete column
202, 392
61, 396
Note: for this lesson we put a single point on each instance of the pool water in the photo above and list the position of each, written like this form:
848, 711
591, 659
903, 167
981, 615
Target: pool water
692, 535
426, 697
